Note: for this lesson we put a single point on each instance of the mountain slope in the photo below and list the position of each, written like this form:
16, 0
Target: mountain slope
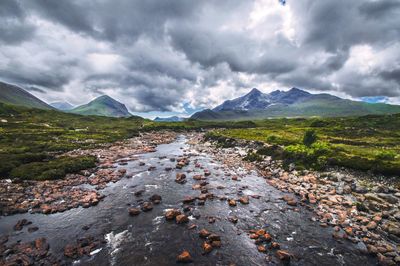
292, 103
63, 106
10, 94
103, 106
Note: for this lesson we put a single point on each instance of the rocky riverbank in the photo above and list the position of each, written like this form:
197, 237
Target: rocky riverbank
207, 203
76, 190
361, 209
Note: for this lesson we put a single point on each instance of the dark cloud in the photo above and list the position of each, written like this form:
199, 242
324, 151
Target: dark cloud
391, 75
380, 9
156, 55
13, 25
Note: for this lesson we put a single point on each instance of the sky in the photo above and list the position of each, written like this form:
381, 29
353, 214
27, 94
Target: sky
176, 57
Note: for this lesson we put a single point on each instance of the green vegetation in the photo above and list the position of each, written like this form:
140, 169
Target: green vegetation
309, 138
54, 169
367, 143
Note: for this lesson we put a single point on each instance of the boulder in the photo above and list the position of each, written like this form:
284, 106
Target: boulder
134, 211
184, 257
207, 248
204, 233
232, 203
147, 206
283, 255
181, 218
244, 200
171, 214
180, 178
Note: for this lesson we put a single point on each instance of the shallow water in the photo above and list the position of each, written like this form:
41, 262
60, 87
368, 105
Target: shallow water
148, 239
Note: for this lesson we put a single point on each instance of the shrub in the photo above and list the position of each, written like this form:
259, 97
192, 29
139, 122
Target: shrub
274, 151
253, 157
386, 155
316, 156
272, 138
309, 138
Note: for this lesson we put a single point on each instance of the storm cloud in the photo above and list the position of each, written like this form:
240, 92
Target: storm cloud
164, 55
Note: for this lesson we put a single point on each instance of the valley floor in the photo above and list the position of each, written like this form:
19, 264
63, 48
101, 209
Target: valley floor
160, 198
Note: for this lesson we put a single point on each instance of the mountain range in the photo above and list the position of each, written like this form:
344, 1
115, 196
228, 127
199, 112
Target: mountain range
169, 119
292, 103
254, 105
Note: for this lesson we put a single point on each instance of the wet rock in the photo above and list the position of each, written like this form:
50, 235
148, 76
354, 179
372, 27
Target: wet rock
20, 224
275, 245
192, 226
180, 178
133, 211
204, 233
283, 255
147, 206
197, 177
70, 251
216, 244
261, 248
290, 200
214, 237
207, 248
211, 220
156, 199
33, 229
171, 214
254, 236
244, 200
184, 257
181, 218
188, 199
207, 172
139, 193
232, 203
233, 219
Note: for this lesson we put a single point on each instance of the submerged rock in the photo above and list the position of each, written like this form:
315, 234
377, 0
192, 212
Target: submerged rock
184, 257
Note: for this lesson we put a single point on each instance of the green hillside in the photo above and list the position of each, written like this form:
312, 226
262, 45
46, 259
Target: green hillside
11, 94
103, 106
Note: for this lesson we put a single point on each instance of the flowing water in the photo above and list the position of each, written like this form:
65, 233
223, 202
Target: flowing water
148, 239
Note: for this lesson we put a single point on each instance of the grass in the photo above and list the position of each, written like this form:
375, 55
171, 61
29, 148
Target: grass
365, 143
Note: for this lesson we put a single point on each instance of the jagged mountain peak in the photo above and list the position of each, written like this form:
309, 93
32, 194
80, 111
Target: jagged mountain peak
255, 99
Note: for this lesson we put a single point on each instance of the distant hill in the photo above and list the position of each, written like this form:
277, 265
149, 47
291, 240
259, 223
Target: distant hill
102, 106
63, 106
169, 119
292, 103
11, 94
